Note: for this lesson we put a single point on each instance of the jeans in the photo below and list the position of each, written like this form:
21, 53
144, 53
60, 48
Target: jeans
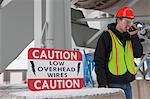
126, 87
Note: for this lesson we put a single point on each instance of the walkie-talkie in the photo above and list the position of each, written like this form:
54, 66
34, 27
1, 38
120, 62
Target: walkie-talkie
132, 28
139, 26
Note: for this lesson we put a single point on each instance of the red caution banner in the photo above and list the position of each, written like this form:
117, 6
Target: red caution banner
52, 54
55, 84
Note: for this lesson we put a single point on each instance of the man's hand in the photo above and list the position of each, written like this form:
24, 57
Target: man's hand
133, 29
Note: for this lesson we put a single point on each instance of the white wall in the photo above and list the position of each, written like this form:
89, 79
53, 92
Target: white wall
15, 77
1, 78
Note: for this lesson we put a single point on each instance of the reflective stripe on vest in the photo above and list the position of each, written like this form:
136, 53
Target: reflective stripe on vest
121, 59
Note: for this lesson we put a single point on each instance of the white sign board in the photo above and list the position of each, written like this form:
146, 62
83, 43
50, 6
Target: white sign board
50, 69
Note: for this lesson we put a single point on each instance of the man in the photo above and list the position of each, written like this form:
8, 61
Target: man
115, 53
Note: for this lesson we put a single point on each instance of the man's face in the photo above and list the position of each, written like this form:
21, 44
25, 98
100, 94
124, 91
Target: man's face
125, 24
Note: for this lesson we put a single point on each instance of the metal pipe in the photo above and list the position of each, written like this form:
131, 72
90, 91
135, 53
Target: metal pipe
50, 19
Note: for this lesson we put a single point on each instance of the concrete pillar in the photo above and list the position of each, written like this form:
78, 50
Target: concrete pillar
58, 17
37, 22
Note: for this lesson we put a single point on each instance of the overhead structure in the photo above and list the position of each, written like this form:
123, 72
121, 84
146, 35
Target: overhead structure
111, 6
140, 7
81, 32
51, 24
96, 4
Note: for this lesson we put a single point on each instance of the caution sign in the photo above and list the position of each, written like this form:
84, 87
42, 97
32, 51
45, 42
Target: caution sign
50, 69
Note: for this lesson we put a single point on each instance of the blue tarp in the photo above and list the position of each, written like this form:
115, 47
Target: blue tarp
88, 63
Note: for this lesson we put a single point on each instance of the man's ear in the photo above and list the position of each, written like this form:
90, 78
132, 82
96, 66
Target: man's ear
117, 20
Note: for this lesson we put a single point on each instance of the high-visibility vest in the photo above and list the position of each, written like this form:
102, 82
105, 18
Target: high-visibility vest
121, 59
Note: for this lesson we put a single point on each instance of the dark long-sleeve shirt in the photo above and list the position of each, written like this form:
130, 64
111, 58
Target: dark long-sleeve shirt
102, 53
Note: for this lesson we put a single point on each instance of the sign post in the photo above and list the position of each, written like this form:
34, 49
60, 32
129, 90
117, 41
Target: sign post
51, 69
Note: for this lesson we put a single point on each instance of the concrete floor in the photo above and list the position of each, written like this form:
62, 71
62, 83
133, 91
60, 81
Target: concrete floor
141, 90
22, 92
5, 91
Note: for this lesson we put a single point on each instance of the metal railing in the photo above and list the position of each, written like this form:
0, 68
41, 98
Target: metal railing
142, 68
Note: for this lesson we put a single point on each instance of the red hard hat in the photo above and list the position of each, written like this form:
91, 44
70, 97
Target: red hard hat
125, 12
